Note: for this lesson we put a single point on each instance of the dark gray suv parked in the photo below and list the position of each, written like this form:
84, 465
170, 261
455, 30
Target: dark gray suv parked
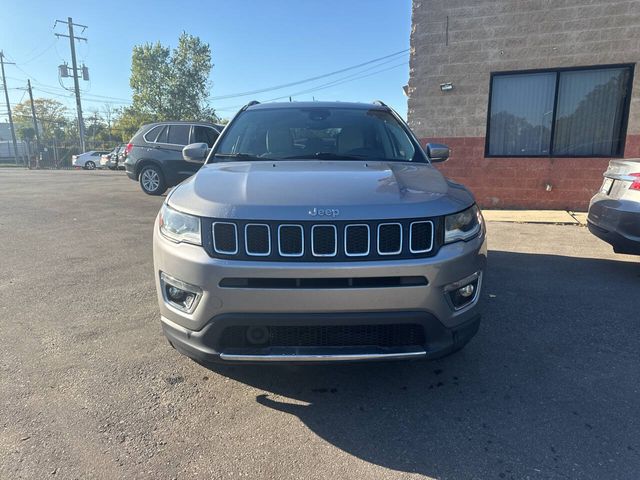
154, 154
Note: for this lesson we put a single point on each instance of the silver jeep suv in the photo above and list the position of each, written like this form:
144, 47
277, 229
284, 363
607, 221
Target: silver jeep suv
318, 232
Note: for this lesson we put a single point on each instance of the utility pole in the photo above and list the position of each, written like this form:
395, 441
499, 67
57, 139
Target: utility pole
6, 96
74, 64
35, 124
93, 132
107, 115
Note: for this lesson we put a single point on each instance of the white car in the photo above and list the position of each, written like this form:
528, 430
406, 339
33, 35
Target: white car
88, 160
113, 160
104, 160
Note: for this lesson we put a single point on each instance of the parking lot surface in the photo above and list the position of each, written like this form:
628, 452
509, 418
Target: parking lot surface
89, 388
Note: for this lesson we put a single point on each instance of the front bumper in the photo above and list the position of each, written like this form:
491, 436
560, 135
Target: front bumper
204, 345
617, 222
198, 334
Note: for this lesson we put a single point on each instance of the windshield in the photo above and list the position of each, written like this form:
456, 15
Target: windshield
316, 133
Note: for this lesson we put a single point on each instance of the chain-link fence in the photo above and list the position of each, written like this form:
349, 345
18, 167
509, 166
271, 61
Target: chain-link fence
50, 154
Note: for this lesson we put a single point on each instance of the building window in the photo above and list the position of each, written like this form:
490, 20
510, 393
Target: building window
579, 112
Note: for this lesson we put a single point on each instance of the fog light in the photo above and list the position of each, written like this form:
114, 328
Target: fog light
180, 297
467, 290
463, 292
179, 294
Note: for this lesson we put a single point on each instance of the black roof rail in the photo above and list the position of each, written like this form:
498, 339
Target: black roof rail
250, 104
380, 102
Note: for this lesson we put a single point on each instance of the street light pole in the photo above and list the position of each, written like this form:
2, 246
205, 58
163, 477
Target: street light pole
6, 96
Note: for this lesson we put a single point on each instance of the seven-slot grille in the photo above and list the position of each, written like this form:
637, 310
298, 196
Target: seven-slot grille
309, 241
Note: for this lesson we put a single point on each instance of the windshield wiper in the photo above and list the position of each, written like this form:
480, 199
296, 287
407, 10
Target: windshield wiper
327, 156
243, 156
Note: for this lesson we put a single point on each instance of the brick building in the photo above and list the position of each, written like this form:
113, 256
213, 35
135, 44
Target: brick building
533, 96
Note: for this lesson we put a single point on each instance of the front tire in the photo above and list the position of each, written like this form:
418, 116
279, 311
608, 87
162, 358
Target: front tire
90, 165
152, 181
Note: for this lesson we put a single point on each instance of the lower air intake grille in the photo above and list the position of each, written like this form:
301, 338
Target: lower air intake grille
394, 335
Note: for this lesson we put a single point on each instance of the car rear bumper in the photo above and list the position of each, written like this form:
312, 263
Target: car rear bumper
130, 169
617, 222
619, 242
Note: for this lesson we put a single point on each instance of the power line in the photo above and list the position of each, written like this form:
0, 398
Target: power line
62, 89
62, 92
339, 81
108, 97
306, 80
19, 68
349, 78
33, 50
49, 47
85, 97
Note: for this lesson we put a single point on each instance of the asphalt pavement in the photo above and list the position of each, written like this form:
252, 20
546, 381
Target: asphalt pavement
89, 388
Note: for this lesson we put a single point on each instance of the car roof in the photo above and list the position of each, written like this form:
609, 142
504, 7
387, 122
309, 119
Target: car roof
182, 122
352, 105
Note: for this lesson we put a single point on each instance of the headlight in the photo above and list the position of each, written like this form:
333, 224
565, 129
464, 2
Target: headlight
179, 227
463, 225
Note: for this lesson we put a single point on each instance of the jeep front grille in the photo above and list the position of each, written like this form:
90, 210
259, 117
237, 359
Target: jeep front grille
257, 239
389, 238
225, 238
356, 240
326, 241
290, 240
420, 241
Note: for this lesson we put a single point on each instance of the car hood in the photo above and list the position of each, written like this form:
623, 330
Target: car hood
295, 190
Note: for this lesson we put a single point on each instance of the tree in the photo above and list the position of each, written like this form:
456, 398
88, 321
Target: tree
26, 133
167, 85
171, 84
189, 83
128, 121
150, 79
51, 116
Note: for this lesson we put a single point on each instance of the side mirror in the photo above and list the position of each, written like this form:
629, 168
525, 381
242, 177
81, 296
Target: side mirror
195, 152
437, 152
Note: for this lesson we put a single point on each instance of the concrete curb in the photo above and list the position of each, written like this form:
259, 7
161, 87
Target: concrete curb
556, 217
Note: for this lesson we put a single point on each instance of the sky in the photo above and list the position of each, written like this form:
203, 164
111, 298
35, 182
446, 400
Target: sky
255, 45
